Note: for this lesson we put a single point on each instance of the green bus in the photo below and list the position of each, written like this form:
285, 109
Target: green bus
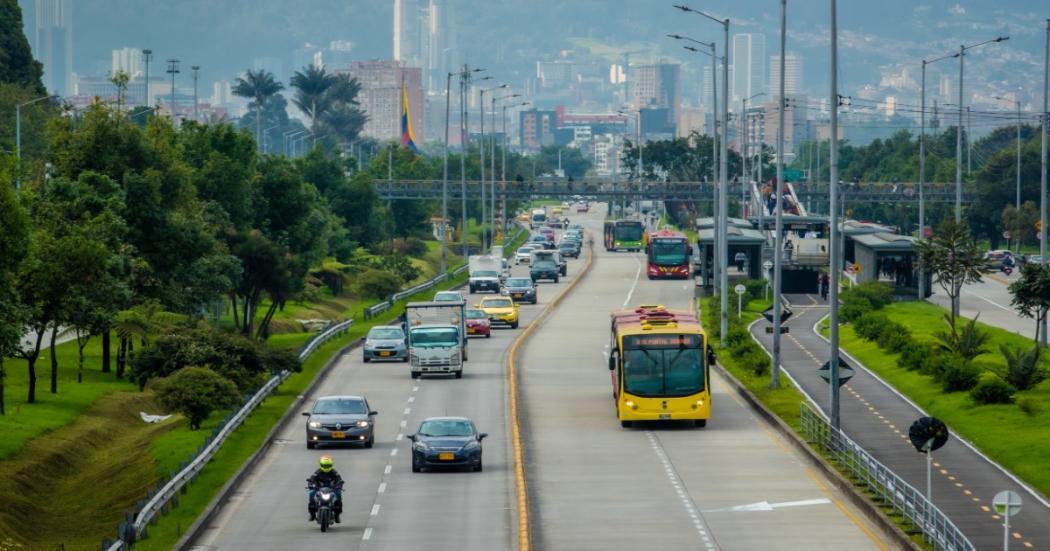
623, 235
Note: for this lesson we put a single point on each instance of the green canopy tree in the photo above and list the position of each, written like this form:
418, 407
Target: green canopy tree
17, 65
14, 243
1031, 293
330, 100
952, 257
259, 86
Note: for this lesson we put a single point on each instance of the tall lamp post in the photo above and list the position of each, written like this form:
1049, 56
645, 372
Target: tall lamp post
1017, 182
464, 144
745, 150
18, 138
147, 55
492, 160
196, 74
833, 168
1042, 163
503, 162
444, 178
723, 222
481, 149
958, 134
778, 238
922, 163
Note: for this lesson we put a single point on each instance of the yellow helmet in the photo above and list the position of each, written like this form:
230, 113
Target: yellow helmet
326, 464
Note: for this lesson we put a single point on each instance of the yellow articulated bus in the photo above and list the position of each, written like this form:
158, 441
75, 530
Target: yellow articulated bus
660, 371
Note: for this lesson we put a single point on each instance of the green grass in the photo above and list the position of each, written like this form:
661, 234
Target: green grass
783, 401
1019, 442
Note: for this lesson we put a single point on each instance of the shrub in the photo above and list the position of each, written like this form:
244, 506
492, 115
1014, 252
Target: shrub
959, 375
991, 389
938, 362
415, 247
1030, 405
1023, 367
870, 325
195, 392
379, 284
757, 362
967, 342
755, 289
877, 293
915, 355
853, 307
737, 336
743, 348
895, 338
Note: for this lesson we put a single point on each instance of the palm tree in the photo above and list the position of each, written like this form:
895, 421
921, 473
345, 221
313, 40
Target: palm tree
259, 86
312, 86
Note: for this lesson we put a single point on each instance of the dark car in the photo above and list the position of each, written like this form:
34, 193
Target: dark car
340, 420
520, 289
569, 248
544, 269
540, 240
446, 442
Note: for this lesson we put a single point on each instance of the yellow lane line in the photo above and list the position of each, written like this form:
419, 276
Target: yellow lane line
520, 480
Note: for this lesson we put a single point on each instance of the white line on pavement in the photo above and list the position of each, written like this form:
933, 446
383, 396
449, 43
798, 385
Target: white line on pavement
393, 451
637, 274
411, 399
990, 301
367, 535
375, 510
387, 469
408, 410
399, 436
382, 488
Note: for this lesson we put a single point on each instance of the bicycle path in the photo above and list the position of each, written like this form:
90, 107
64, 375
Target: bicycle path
878, 418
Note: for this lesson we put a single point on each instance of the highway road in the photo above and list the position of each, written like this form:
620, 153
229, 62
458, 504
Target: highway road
386, 505
594, 485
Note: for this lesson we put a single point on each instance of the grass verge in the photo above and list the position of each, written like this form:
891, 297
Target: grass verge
1018, 441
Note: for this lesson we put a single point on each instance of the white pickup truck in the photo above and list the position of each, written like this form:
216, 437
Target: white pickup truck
484, 273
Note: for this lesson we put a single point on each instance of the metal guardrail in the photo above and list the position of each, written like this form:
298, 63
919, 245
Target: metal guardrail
891, 490
129, 532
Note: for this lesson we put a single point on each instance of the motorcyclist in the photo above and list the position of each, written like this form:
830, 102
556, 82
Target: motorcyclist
325, 475
1008, 263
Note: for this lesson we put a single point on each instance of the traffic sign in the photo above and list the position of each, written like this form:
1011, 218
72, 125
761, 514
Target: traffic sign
785, 314
855, 268
740, 289
928, 434
845, 372
1007, 502
1006, 235
792, 174
1038, 225
768, 265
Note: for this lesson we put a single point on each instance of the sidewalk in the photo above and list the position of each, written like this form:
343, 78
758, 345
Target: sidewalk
877, 418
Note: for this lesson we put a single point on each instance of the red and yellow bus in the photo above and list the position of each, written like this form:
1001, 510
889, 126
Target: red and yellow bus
660, 365
667, 253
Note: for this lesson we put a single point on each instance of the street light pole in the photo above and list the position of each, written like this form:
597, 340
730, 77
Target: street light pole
196, 73
745, 150
835, 260
1042, 172
444, 179
147, 55
778, 237
173, 69
922, 164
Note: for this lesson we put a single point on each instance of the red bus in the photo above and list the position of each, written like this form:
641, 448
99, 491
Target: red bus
667, 253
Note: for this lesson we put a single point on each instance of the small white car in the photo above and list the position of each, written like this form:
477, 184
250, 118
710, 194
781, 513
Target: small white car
524, 254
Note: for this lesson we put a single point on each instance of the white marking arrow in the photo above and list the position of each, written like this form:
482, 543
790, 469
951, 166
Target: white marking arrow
767, 506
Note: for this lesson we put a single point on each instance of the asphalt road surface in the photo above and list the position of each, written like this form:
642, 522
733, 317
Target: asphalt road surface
386, 506
594, 485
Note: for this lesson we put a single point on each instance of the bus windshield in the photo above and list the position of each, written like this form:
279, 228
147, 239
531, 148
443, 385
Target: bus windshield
667, 252
663, 365
631, 231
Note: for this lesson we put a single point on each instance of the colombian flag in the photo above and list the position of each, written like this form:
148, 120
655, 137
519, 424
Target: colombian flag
408, 137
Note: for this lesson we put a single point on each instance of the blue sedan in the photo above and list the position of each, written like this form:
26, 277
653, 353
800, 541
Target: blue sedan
385, 342
443, 442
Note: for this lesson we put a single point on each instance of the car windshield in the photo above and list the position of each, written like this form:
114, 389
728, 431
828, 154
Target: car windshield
385, 333
446, 427
336, 406
497, 303
429, 337
519, 282
475, 314
447, 297
486, 273
525, 250
544, 265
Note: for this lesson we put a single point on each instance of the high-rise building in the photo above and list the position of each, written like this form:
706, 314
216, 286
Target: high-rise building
422, 38
657, 85
792, 75
53, 44
749, 66
380, 97
536, 128
796, 124
128, 60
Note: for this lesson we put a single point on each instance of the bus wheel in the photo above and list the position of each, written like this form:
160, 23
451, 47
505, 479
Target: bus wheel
700, 422
626, 424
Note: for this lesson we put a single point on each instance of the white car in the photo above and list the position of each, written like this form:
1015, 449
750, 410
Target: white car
524, 254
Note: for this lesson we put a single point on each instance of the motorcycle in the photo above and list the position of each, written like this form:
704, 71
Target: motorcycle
326, 501
1007, 270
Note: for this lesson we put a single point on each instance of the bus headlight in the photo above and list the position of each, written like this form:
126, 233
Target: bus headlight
631, 404
699, 403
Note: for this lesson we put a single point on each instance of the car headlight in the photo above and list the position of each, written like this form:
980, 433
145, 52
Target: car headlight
419, 446
369, 344
472, 445
315, 424
362, 424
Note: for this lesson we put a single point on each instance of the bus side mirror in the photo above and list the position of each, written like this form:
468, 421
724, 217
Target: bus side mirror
711, 357
689, 250
612, 362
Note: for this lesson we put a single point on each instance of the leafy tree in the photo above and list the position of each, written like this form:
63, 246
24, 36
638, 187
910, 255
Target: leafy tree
17, 65
120, 80
1023, 367
378, 283
967, 343
14, 243
195, 392
952, 257
330, 100
1031, 293
259, 86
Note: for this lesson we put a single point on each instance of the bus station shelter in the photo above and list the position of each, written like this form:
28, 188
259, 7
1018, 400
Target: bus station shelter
887, 257
746, 240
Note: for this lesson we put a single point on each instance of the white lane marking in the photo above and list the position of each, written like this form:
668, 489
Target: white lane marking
678, 484
408, 410
399, 436
990, 301
388, 469
375, 510
367, 535
382, 488
637, 274
404, 423
767, 506
393, 451
415, 388
411, 399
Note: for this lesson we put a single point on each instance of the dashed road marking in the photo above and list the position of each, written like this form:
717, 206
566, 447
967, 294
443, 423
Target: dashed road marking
687, 501
388, 469
367, 535
375, 510
382, 487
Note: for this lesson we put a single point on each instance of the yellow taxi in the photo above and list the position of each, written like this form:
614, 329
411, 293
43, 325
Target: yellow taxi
500, 310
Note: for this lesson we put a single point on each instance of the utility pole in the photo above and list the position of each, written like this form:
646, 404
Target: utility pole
444, 179
778, 237
836, 260
464, 139
147, 55
196, 73
1042, 177
173, 69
